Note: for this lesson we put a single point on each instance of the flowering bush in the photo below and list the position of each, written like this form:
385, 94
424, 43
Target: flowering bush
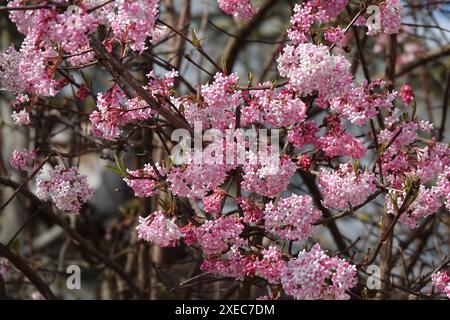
293, 173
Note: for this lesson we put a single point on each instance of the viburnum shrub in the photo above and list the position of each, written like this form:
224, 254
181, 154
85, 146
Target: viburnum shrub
314, 166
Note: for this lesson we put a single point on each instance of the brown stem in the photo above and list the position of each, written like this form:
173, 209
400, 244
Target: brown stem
21, 264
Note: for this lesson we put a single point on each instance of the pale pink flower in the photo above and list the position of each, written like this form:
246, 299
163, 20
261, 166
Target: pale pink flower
24, 160
159, 229
215, 236
292, 218
441, 281
238, 8
313, 275
345, 187
67, 188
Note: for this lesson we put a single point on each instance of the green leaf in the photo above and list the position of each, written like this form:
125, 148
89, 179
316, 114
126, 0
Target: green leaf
115, 169
119, 161
195, 40
414, 110
250, 77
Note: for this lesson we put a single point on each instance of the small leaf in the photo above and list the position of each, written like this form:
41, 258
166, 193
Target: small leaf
414, 110
195, 40
115, 169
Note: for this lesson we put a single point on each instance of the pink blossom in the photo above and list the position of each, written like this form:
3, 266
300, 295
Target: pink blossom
345, 187
311, 68
250, 210
29, 70
332, 8
218, 107
134, 22
238, 8
66, 188
390, 16
302, 21
24, 160
195, 180
214, 202
115, 111
335, 36
426, 203
292, 218
342, 145
216, 235
271, 265
280, 109
355, 106
266, 179
304, 134
159, 229
110, 115
144, 182
407, 135
337, 143
188, 232
431, 161
313, 275
233, 264
304, 162
406, 94
161, 86
441, 281
21, 118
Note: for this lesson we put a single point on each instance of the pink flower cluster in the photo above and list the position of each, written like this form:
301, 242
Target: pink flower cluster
159, 229
315, 276
252, 213
441, 281
312, 69
134, 21
161, 86
345, 187
338, 143
217, 107
359, 105
335, 36
67, 189
114, 111
144, 182
302, 21
292, 218
21, 118
24, 160
406, 93
53, 32
232, 264
271, 265
29, 70
279, 109
238, 8
426, 203
215, 236
195, 180
407, 135
266, 179
391, 18
332, 8
304, 134
214, 202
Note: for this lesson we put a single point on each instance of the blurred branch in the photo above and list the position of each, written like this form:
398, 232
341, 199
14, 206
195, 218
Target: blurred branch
424, 59
22, 265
